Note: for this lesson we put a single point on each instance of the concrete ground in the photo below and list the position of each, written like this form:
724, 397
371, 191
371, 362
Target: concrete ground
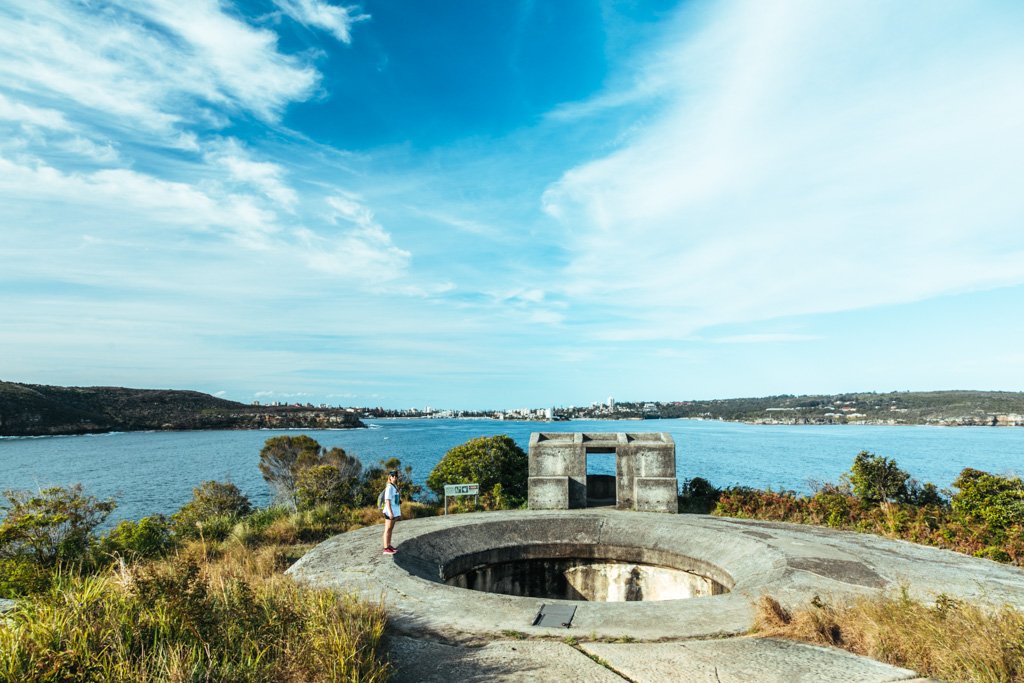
447, 633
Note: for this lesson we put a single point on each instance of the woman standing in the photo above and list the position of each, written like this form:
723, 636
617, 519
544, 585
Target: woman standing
392, 510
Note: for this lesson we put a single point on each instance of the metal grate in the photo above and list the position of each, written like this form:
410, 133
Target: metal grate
555, 616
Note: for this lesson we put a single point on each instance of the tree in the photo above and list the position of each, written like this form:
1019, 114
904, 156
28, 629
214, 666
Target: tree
51, 526
284, 458
281, 459
487, 460
877, 479
211, 501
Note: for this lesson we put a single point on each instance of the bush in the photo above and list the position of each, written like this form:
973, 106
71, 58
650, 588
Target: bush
324, 485
488, 461
148, 537
51, 526
698, 496
876, 479
21, 576
212, 512
995, 501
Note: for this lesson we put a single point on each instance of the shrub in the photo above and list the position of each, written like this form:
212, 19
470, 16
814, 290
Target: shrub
22, 576
487, 460
148, 537
51, 526
877, 479
993, 500
213, 510
698, 495
324, 485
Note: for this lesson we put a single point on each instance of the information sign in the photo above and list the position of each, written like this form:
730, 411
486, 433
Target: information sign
460, 490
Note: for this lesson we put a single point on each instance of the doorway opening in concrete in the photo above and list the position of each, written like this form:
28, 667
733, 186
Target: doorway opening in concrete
591, 579
602, 466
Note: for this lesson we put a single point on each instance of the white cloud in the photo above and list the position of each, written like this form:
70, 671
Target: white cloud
765, 338
265, 176
128, 194
362, 249
18, 112
103, 153
151, 65
334, 19
806, 157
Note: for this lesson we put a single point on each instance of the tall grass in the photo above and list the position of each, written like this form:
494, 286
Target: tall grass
192, 618
950, 640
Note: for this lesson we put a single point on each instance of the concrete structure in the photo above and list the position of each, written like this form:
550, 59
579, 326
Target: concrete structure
645, 471
491, 636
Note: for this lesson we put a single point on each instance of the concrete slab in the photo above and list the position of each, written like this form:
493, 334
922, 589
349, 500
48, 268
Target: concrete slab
505, 661
738, 660
793, 563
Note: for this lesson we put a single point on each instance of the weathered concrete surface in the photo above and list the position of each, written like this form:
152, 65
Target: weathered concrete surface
792, 563
506, 661
741, 659
645, 470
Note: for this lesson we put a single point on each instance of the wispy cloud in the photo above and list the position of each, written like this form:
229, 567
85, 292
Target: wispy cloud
266, 177
765, 338
151, 65
32, 116
334, 19
804, 158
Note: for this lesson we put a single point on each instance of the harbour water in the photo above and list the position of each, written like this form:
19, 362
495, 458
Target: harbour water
154, 472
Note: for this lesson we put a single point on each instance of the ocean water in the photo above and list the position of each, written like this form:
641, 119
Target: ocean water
154, 472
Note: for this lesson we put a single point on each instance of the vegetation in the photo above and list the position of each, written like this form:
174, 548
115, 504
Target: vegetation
34, 409
44, 530
215, 507
196, 596
898, 407
191, 617
949, 640
984, 517
497, 463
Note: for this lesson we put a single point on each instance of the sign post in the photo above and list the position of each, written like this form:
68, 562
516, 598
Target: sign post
460, 490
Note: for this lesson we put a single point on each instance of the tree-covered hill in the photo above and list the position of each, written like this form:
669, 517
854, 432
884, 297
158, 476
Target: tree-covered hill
34, 409
904, 407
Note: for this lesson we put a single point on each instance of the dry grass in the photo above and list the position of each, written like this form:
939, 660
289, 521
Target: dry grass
221, 613
950, 640
217, 610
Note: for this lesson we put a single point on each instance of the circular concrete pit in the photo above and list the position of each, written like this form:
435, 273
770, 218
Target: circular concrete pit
587, 573
645, 576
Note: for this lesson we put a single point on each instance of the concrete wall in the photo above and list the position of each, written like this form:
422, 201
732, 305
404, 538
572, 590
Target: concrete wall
645, 469
583, 579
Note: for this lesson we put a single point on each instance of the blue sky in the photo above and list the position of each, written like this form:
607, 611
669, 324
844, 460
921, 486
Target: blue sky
506, 204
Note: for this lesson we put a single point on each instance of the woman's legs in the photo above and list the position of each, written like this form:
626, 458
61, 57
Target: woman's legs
389, 525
